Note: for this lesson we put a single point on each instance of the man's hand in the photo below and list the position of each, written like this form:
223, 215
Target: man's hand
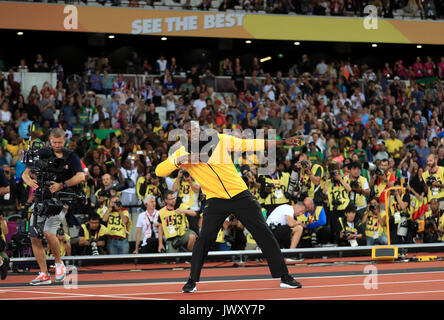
55, 187
293, 141
31, 182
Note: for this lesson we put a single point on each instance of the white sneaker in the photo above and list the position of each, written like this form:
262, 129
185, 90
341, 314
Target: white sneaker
60, 272
42, 278
294, 260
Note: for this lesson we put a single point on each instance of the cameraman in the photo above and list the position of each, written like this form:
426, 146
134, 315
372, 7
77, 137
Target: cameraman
360, 188
434, 223
382, 179
7, 199
118, 224
374, 221
187, 192
274, 189
147, 223
64, 242
352, 230
47, 226
310, 182
4, 260
337, 191
313, 221
151, 185
402, 226
92, 236
105, 192
249, 176
175, 226
434, 180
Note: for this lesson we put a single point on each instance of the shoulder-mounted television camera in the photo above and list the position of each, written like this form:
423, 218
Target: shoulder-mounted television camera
46, 167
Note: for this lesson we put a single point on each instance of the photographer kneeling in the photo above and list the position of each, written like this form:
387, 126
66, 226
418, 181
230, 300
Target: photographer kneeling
147, 223
92, 236
351, 233
71, 175
434, 223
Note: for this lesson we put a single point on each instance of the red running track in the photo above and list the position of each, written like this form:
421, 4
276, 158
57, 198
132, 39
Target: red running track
393, 281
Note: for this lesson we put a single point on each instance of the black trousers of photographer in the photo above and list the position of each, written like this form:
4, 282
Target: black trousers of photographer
333, 223
248, 211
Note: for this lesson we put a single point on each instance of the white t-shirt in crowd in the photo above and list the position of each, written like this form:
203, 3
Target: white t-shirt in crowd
143, 221
279, 215
199, 105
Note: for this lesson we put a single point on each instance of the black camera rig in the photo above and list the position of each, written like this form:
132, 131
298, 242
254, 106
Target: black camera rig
46, 167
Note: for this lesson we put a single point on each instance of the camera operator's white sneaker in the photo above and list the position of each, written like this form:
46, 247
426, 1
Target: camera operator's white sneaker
60, 272
42, 278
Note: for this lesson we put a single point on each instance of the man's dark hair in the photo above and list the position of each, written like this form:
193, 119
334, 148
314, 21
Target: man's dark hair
167, 193
93, 216
333, 166
355, 164
351, 208
373, 198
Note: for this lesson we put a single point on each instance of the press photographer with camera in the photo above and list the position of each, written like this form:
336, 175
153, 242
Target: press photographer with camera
306, 180
4, 259
374, 221
401, 210
151, 185
70, 176
337, 191
105, 192
148, 225
175, 226
434, 223
64, 242
286, 227
314, 222
360, 188
119, 225
187, 192
4, 184
381, 180
249, 175
352, 230
434, 180
274, 189
92, 236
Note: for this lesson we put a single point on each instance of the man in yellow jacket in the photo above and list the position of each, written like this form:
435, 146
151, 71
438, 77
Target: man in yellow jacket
226, 193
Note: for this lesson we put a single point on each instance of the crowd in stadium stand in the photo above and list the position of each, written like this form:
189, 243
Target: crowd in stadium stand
364, 130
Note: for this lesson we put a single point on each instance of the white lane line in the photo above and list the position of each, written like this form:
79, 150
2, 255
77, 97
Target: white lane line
362, 295
85, 286
71, 295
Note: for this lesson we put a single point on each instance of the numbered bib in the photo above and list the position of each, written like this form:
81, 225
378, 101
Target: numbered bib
171, 229
353, 243
278, 194
397, 217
